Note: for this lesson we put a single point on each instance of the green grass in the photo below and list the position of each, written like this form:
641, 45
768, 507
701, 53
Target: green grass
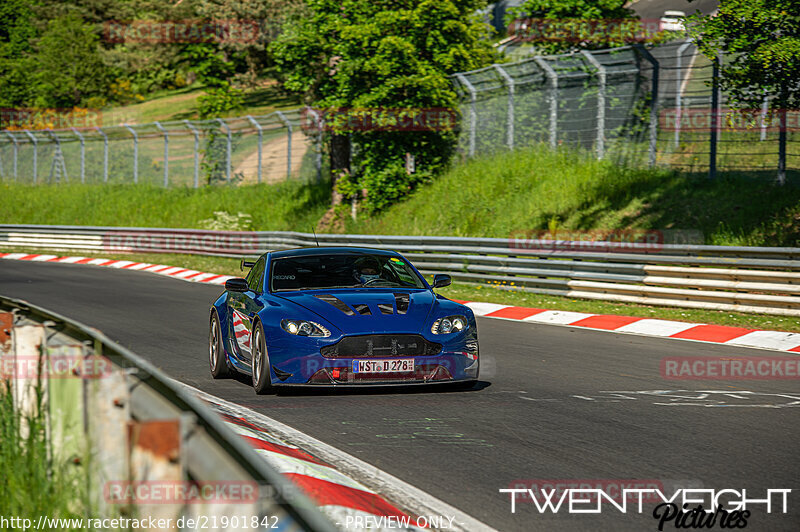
537, 189
531, 189
181, 104
291, 205
35, 480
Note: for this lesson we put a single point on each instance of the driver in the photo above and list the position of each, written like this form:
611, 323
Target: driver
366, 269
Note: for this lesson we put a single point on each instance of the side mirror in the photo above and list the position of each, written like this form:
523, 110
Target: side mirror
441, 280
237, 284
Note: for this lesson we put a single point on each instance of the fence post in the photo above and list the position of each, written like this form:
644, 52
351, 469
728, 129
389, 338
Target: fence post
510, 83
601, 103
135, 152
712, 152
764, 107
553, 77
196, 152
166, 152
228, 150
105, 153
35, 152
289, 144
654, 103
59, 164
16, 150
679, 90
260, 140
83, 154
473, 114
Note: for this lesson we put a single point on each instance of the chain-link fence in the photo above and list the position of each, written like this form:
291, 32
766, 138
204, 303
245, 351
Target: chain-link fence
250, 149
631, 104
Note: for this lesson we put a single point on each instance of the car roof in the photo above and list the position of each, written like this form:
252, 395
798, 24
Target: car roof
330, 250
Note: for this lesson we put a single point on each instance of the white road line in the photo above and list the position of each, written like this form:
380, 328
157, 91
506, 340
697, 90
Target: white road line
395, 490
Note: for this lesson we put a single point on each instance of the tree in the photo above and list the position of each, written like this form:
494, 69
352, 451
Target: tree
556, 26
264, 18
69, 66
760, 40
382, 54
16, 34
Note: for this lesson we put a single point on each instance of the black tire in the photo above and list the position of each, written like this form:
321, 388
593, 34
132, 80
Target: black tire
262, 380
216, 352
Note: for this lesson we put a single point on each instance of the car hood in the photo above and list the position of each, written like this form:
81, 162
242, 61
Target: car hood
368, 310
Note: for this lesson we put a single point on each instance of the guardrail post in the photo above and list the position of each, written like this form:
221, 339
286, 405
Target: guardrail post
35, 151
289, 144
83, 154
16, 151
654, 103
222, 123
135, 152
196, 152
105, 153
473, 113
318, 158
166, 152
260, 141
510, 84
601, 102
553, 77
679, 90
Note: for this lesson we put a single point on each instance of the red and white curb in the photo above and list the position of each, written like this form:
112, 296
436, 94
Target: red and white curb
699, 332
175, 272
349, 503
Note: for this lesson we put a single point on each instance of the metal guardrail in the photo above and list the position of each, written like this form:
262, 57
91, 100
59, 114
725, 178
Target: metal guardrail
731, 278
105, 411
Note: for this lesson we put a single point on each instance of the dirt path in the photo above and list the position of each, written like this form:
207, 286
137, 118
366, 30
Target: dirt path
273, 160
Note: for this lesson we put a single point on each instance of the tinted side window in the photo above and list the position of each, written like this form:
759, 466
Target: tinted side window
256, 276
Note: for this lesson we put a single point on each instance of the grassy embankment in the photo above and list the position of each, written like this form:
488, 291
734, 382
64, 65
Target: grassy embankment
494, 196
37, 481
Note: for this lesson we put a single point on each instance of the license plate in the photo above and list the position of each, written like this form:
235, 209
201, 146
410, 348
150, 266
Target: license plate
398, 365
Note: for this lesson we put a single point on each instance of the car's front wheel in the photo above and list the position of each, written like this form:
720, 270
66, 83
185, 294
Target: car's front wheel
216, 353
262, 382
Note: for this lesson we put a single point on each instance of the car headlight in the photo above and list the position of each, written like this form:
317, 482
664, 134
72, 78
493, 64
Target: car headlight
304, 328
450, 324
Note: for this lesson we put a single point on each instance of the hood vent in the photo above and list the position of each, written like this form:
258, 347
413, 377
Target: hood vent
402, 301
336, 302
386, 308
363, 310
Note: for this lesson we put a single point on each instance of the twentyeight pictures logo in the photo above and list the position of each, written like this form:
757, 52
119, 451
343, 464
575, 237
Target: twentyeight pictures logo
682, 507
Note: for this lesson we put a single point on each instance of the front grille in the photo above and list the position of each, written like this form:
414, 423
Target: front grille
381, 345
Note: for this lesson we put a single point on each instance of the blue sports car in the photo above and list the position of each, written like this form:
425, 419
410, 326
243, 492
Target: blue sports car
340, 316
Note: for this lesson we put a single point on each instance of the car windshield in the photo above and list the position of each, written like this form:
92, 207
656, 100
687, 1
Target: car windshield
350, 270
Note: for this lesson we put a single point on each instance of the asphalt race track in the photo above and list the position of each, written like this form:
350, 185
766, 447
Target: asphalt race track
545, 409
